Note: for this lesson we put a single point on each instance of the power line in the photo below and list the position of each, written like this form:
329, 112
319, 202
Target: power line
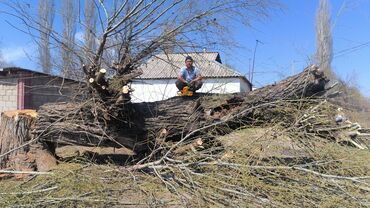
351, 49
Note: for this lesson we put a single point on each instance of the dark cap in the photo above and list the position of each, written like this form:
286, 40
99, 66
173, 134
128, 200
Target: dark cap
189, 58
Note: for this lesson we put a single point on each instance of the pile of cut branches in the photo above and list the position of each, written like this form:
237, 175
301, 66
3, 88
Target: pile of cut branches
280, 146
294, 160
302, 157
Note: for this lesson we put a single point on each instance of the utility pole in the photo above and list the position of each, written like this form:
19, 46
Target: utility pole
249, 69
293, 67
254, 58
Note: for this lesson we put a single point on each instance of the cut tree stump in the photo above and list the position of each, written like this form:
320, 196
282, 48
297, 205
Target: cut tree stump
18, 148
15, 129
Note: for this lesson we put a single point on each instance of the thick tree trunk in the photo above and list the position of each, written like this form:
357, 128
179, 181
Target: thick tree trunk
179, 116
17, 149
88, 124
137, 126
15, 133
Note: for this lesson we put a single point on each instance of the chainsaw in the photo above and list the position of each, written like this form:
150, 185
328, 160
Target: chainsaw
185, 92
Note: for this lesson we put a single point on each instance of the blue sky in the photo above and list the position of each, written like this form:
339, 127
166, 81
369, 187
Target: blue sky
287, 36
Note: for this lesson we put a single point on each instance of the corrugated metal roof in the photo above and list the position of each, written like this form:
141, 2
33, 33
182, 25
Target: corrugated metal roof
164, 66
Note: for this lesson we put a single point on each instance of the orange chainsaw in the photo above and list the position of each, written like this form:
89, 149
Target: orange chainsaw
185, 92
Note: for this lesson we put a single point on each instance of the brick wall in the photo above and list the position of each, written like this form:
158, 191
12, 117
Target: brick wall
8, 94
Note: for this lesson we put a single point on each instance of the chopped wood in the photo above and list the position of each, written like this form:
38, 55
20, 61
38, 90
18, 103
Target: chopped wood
125, 89
100, 75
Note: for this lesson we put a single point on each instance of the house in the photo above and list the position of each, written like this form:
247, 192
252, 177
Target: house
26, 89
160, 73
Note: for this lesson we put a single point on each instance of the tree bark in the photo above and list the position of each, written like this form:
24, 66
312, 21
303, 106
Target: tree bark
15, 132
18, 150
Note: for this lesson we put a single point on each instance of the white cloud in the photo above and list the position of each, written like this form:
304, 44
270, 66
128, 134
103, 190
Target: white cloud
21, 56
13, 54
79, 36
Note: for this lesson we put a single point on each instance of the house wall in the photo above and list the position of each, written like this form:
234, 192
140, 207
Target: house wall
153, 90
8, 94
160, 89
30, 92
45, 89
244, 86
220, 85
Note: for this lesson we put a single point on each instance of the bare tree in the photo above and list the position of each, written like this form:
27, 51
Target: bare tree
46, 12
169, 46
324, 41
131, 31
90, 29
69, 17
195, 23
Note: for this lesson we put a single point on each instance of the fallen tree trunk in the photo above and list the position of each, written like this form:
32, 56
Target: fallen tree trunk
137, 126
87, 124
181, 115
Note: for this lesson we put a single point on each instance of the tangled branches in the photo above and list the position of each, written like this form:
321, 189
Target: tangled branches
293, 161
274, 147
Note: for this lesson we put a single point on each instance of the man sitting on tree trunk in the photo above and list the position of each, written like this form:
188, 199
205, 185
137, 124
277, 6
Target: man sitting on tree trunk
189, 76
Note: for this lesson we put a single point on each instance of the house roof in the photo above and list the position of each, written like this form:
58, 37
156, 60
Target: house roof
16, 70
201, 56
167, 66
8, 70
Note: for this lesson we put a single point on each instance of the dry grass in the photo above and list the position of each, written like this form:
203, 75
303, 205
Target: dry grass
85, 185
295, 188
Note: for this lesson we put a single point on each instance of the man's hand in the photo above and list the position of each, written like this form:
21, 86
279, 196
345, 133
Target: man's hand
182, 79
198, 78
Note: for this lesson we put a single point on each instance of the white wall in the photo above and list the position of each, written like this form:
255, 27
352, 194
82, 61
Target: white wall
244, 86
221, 85
153, 90
161, 89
